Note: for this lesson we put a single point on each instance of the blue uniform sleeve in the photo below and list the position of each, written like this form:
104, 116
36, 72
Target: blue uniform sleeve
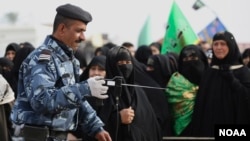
39, 82
91, 124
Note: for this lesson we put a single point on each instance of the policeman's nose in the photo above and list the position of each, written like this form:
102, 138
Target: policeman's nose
82, 37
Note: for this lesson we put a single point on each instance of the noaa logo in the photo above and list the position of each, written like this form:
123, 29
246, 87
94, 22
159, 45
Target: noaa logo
232, 132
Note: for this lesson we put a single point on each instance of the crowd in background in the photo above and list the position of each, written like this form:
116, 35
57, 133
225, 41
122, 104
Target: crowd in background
185, 92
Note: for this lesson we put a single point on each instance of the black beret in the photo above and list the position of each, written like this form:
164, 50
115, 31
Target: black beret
74, 12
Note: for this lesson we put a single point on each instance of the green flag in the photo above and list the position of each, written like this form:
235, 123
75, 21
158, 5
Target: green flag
178, 32
145, 37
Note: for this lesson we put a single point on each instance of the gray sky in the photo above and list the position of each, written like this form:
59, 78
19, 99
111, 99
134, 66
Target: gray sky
123, 19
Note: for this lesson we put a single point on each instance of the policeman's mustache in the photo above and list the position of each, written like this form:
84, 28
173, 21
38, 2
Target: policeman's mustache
79, 41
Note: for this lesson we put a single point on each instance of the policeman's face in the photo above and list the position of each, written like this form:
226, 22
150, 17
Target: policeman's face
74, 34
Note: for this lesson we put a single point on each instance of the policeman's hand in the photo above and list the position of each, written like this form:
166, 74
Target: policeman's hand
103, 136
17, 129
96, 87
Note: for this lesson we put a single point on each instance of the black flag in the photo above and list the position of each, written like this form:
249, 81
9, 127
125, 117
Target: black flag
198, 4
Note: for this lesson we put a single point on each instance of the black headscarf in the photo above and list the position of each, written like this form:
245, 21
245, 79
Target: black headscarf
234, 55
96, 60
163, 68
21, 54
192, 69
142, 54
105, 48
12, 46
79, 54
246, 54
114, 55
6, 66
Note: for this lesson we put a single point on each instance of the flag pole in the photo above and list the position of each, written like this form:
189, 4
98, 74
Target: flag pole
208, 7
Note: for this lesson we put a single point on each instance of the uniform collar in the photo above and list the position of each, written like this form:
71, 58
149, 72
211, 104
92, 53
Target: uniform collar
68, 51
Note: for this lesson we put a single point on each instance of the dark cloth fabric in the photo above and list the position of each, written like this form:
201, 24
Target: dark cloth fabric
79, 54
4, 62
142, 54
145, 126
173, 58
21, 54
103, 50
6, 66
192, 63
223, 96
155, 96
245, 55
74, 12
221, 102
12, 46
4, 130
163, 68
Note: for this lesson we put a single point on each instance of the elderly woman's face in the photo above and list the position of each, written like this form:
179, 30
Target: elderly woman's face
220, 49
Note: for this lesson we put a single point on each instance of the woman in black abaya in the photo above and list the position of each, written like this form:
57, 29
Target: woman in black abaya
133, 119
224, 93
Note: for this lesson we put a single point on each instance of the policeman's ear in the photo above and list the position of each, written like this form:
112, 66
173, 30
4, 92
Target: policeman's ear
62, 28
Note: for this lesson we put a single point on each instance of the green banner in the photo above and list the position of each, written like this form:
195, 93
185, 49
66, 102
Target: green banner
178, 32
145, 37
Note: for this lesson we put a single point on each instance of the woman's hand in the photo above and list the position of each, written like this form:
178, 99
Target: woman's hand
127, 115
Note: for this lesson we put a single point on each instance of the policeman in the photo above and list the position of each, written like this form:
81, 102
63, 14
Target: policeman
51, 101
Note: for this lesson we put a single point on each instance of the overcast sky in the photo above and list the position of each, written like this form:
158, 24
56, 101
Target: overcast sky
122, 19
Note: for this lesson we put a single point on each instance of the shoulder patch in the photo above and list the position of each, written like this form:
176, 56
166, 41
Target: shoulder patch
44, 56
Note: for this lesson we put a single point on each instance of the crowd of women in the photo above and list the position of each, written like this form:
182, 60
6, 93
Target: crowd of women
170, 94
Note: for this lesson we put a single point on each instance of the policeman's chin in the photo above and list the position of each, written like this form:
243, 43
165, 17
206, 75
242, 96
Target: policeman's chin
75, 46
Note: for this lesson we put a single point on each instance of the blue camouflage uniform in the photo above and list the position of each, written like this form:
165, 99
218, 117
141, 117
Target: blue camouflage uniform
49, 94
